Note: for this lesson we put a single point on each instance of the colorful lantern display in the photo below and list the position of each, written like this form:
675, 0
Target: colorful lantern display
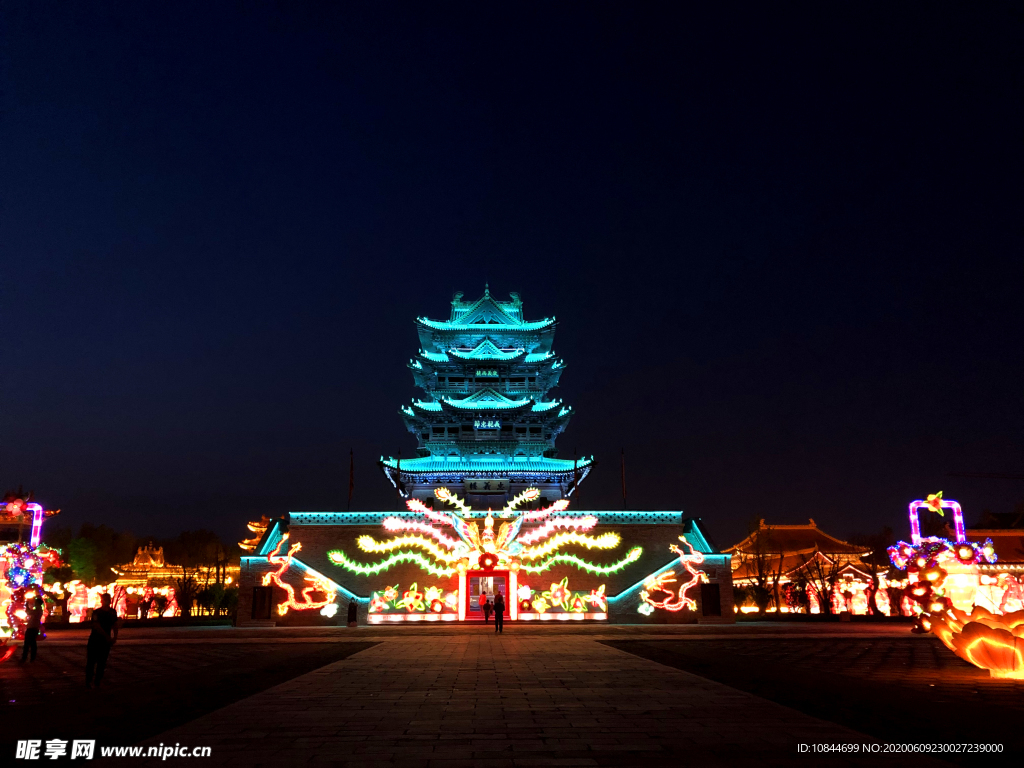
944, 587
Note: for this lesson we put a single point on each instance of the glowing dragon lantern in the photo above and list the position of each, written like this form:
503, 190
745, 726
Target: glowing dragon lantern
673, 599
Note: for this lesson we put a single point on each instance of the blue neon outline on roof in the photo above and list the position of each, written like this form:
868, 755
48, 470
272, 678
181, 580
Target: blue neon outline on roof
376, 517
484, 328
270, 538
425, 405
487, 350
545, 406
694, 528
513, 464
538, 357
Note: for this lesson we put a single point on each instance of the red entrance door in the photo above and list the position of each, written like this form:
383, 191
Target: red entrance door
489, 582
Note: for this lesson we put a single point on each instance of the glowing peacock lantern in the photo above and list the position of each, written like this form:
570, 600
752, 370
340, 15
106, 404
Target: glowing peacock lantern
499, 544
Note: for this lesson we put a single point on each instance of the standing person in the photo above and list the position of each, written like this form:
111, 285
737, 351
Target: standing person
35, 619
104, 634
499, 613
485, 606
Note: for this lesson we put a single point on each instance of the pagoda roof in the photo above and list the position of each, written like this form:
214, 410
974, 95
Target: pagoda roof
538, 357
540, 407
487, 399
426, 405
794, 540
500, 464
434, 357
789, 564
441, 325
487, 350
487, 309
1008, 542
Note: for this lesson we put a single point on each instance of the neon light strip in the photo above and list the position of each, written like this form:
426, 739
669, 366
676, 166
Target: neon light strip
37, 523
631, 557
375, 518
445, 495
513, 595
398, 524
463, 595
317, 575
382, 618
915, 523
538, 534
563, 616
290, 603
559, 506
528, 495
369, 544
668, 566
604, 541
415, 505
339, 558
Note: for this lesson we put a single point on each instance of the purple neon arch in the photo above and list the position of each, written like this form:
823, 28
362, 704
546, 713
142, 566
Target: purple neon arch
915, 523
37, 523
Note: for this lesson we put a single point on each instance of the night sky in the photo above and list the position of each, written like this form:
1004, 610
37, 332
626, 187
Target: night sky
784, 247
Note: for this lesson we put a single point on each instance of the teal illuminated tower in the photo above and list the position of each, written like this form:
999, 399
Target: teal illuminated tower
486, 427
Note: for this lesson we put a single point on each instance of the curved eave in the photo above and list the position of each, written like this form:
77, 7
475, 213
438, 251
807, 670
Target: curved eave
424, 406
438, 325
504, 357
441, 466
461, 406
545, 407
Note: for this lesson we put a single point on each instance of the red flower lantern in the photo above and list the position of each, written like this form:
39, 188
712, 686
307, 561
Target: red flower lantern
965, 553
488, 560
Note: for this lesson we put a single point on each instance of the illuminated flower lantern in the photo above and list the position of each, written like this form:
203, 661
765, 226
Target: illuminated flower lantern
944, 583
21, 576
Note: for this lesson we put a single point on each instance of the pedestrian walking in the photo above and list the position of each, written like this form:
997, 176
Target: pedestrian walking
105, 625
35, 619
485, 606
499, 613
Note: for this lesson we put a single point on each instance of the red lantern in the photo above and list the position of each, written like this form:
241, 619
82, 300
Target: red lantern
921, 591
965, 554
488, 561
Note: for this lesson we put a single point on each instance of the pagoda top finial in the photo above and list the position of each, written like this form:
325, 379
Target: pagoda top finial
487, 290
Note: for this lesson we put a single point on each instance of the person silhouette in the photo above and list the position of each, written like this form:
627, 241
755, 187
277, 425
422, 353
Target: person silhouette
35, 618
105, 625
485, 606
499, 612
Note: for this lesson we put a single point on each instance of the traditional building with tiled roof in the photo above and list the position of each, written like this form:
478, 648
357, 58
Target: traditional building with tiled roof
485, 510
487, 425
778, 556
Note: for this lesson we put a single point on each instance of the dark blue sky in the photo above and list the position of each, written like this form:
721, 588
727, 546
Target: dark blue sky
784, 246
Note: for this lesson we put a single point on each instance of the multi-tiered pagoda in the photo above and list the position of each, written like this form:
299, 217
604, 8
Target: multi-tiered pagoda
486, 509
486, 427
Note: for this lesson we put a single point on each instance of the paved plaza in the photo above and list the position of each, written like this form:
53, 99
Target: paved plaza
546, 695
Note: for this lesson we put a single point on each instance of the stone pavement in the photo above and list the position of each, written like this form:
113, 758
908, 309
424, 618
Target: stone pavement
476, 699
